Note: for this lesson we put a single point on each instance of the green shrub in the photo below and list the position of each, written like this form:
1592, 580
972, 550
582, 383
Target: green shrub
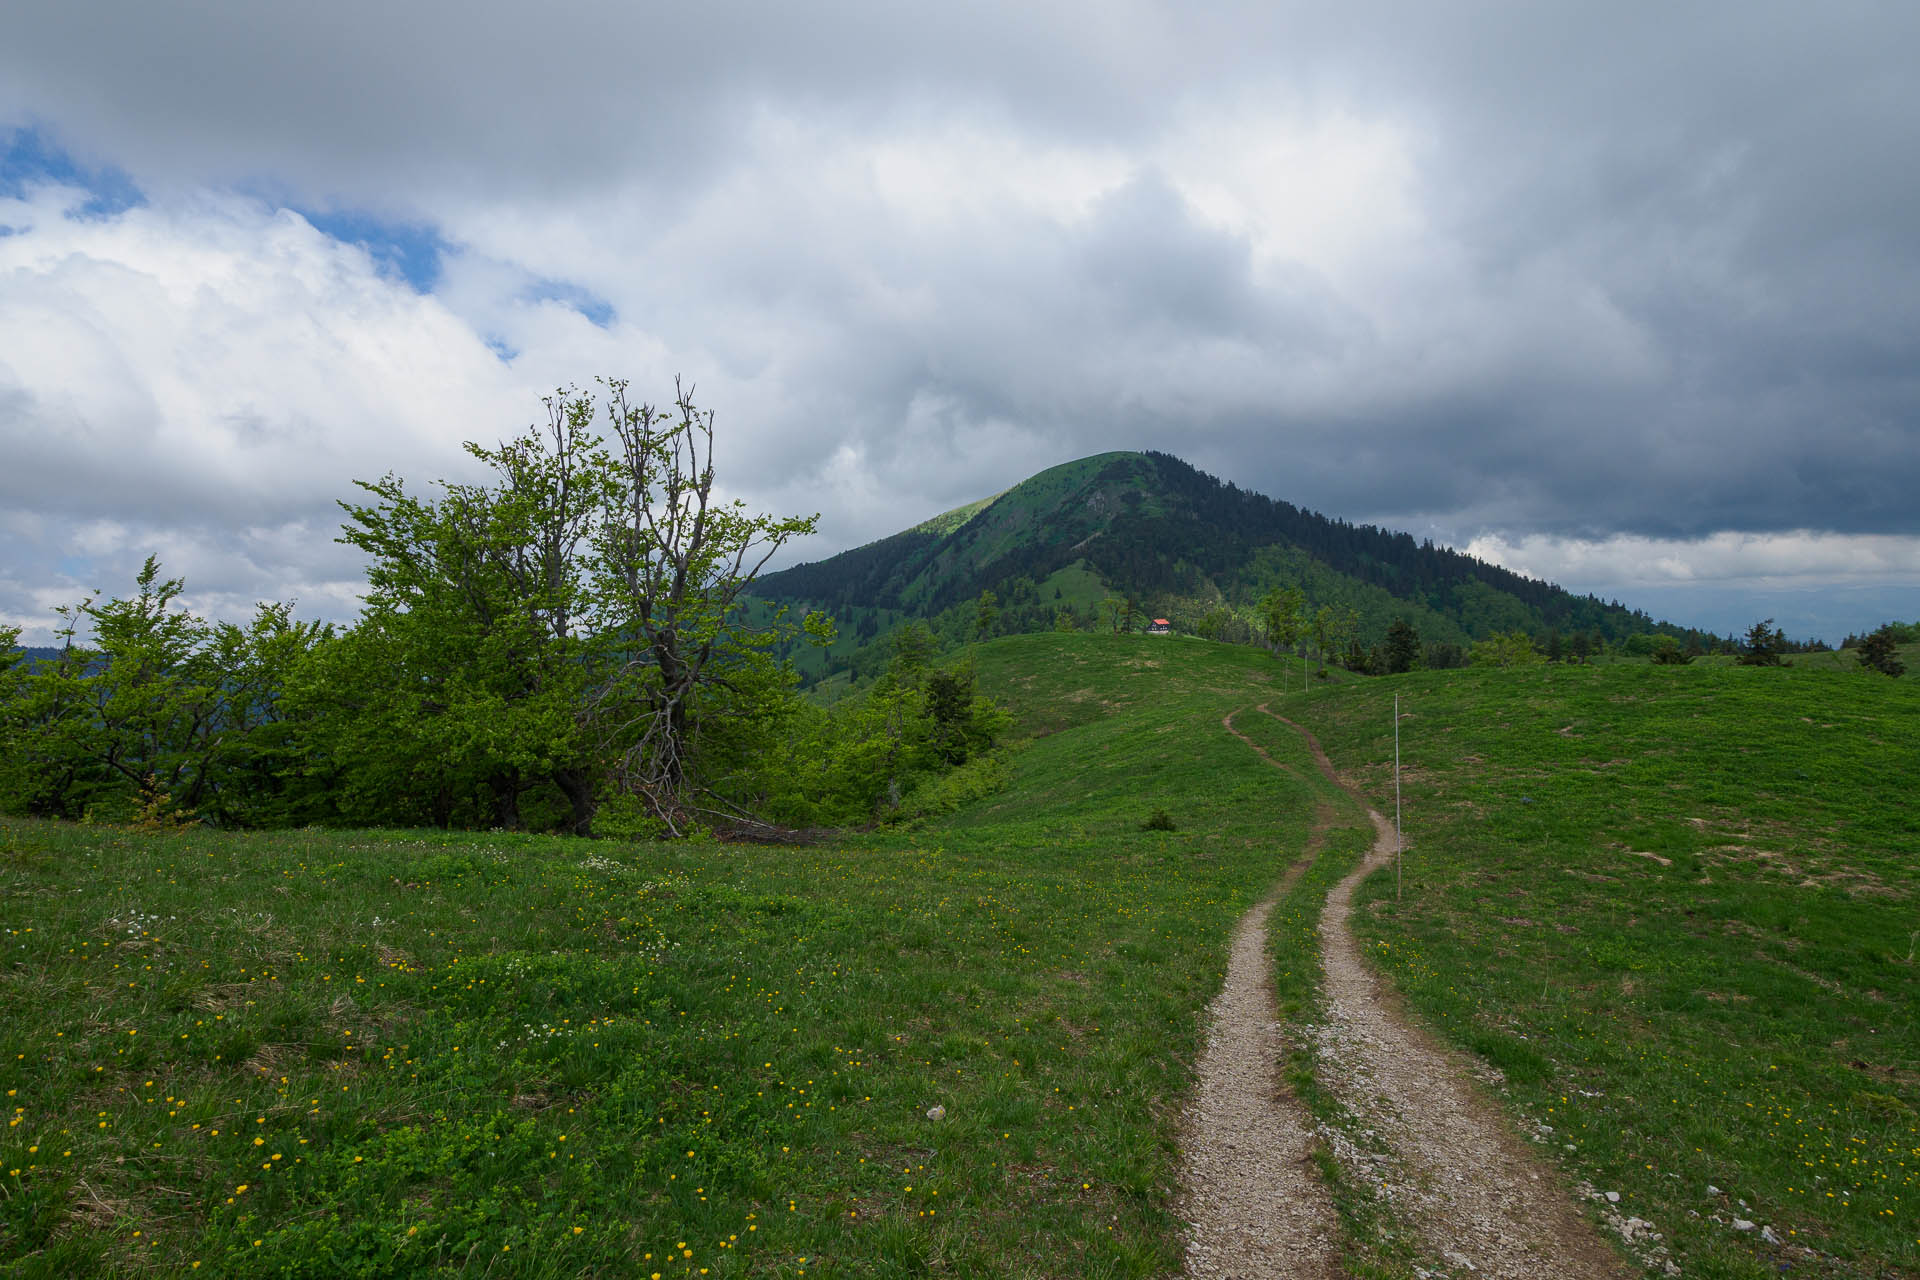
622, 817
1159, 820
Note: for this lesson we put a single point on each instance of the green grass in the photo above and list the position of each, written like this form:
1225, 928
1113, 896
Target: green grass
1056, 682
422, 1052
1677, 907
1078, 586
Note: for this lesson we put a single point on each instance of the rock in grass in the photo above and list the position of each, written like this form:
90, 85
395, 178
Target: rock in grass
936, 1112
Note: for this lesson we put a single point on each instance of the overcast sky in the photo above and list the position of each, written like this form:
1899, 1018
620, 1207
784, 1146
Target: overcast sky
1623, 295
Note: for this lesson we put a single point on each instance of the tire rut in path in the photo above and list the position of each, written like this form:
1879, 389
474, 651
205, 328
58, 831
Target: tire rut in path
1249, 1187
1478, 1196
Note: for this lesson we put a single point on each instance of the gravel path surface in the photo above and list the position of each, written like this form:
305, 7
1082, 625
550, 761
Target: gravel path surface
1249, 1187
1480, 1199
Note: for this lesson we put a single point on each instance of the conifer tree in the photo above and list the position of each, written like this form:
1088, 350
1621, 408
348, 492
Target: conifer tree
1877, 653
1764, 645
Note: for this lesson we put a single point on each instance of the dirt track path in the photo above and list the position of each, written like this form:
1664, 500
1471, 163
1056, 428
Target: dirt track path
1250, 1190
1477, 1195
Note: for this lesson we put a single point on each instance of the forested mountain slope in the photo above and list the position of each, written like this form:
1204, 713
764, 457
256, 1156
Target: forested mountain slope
1149, 528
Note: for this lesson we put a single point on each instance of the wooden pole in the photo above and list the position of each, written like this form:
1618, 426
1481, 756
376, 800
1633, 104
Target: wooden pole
1399, 841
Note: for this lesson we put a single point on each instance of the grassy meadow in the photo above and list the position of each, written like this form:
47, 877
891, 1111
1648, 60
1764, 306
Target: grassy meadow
1678, 908
312, 1053
1675, 906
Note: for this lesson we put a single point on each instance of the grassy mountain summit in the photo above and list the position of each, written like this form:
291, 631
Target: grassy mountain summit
1179, 543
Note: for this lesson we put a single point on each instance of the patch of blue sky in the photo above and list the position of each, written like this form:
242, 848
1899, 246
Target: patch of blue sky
29, 158
76, 568
409, 251
502, 348
598, 311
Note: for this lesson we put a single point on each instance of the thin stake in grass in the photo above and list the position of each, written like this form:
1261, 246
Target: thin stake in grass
1399, 841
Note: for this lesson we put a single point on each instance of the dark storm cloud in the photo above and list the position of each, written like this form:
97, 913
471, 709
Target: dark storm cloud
368, 99
1578, 271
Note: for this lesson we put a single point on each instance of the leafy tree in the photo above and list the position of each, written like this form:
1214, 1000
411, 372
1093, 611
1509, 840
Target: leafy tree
475, 652
864, 758
1346, 628
1877, 652
367, 713
1668, 653
1401, 648
1324, 625
154, 698
986, 616
167, 715
14, 670
670, 566
51, 767
257, 773
913, 647
561, 622
1214, 624
1281, 615
1064, 619
1506, 649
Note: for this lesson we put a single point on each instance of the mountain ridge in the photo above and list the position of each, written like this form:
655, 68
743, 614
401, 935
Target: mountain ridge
1149, 527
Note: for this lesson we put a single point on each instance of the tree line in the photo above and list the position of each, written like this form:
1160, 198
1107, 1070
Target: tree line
565, 645
1286, 621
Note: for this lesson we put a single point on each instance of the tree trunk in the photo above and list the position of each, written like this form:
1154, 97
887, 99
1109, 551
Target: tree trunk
578, 789
506, 800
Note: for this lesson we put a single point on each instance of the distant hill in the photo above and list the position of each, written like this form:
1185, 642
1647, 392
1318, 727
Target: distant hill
35, 655
1180, 543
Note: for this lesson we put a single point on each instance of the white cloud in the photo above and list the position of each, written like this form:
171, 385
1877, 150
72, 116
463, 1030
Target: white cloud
1813, 584
204, 381
1765, 561
218, 357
